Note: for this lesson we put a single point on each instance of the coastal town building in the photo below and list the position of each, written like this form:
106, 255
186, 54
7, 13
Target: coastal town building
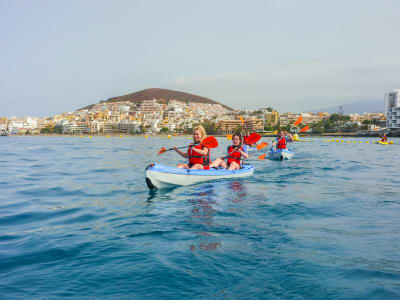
3, 124
288, 118
392, 109
253, 124
271, 118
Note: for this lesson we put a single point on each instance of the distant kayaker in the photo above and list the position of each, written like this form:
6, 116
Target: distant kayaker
280, 142
236, 153
289, 137
384, 138
197, 154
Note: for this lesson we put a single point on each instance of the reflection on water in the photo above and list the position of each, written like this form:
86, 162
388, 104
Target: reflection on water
202, 214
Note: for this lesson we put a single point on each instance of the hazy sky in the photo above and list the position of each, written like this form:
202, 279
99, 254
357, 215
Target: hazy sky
293, 55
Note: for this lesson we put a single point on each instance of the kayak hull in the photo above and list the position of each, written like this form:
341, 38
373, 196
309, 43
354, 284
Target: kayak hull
280, 154
161, 176
385, 143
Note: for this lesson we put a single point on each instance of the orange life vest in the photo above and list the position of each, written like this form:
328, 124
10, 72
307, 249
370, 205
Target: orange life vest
197, 158
281, 144
235, 156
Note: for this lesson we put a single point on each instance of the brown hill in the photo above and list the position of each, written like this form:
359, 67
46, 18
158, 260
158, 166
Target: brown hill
162, 95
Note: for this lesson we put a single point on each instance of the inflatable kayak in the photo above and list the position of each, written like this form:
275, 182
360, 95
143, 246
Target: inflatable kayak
161, 176
280, 154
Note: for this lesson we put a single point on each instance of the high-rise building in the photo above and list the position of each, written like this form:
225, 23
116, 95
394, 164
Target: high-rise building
392, 109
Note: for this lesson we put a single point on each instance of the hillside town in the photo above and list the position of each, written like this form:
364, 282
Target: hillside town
154, 117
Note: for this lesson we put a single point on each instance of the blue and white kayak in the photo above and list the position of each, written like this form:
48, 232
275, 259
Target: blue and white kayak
161, 176
280, 154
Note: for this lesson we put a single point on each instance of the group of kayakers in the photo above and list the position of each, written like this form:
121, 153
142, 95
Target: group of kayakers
198, 155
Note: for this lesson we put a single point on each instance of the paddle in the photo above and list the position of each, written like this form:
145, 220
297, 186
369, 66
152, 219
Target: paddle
252, 139
262, 156
262, 145
209, 142
304, 129
298, 121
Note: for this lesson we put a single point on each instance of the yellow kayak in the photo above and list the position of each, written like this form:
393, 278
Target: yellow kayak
385, 143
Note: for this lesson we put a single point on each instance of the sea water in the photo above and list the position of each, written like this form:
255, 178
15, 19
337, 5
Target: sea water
78, 221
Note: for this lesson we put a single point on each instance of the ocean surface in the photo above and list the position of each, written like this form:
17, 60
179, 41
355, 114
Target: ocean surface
77, 221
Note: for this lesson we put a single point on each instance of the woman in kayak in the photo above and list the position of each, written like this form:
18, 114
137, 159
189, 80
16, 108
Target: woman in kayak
197, 154
280, 142
236, 153
384, 138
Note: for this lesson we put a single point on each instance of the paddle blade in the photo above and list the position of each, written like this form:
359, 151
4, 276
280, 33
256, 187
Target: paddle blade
298, 121
210, 142
262, 145
262, 156
162, 150
252, 138
304, 129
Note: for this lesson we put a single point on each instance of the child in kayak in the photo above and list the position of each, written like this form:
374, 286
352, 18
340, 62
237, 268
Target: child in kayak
280, 142
236, 153
198, 155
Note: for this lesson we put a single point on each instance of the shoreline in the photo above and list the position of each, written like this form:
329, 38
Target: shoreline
120, 135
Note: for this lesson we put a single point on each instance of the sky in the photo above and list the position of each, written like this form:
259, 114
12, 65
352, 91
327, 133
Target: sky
292, 55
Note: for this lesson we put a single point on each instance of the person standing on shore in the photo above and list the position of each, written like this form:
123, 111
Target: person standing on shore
198, 155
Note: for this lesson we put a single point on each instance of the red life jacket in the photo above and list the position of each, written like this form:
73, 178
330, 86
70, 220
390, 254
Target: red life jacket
197, 158
235, 156
281, 144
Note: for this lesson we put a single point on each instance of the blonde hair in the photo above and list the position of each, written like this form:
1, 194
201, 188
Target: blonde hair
202, 131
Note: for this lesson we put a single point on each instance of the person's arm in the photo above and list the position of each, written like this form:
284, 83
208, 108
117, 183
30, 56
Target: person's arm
244, 152
183, 154
201, 151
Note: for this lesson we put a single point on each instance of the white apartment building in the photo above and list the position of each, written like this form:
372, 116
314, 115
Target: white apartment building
392, 109
149, 106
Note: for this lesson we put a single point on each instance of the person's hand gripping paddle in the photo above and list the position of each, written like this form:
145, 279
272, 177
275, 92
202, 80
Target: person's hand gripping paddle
209, 142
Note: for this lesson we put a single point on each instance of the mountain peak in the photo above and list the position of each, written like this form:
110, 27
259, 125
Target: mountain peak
164, 95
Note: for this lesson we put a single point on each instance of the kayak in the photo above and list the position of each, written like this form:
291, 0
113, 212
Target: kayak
385, 143
161, 176
280, 154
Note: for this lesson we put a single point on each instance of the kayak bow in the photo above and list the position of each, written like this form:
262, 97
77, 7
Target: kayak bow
280, 154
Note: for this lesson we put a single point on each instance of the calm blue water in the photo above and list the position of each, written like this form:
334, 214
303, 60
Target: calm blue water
78, 221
